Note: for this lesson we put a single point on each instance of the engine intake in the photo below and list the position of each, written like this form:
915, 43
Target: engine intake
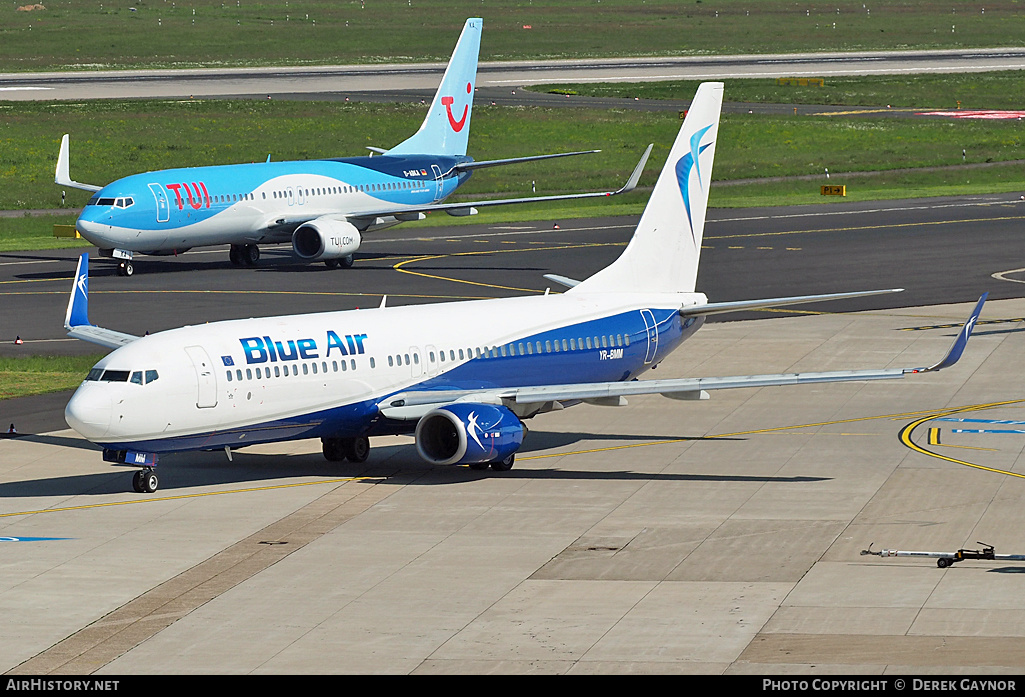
460, 434
325, 239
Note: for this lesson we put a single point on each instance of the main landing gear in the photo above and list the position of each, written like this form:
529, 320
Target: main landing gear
344, 263
351, 449
497, 465
145, 481
247, 254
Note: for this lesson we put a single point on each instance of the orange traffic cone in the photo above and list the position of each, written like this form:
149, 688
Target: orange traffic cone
18, 341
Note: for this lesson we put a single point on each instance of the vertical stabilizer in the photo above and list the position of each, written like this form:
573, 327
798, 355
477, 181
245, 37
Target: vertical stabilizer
446, 129
663, 254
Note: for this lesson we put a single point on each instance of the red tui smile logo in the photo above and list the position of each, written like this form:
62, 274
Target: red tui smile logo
448, 101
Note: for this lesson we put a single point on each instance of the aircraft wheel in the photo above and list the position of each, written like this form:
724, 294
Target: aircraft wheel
346, 261
504, 465
250, 254
145, 481
943, 562
331, 263
356, 449
125, 268
333, 450
235, 255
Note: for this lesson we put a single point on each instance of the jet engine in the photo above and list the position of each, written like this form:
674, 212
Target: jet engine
323, 238
465, 433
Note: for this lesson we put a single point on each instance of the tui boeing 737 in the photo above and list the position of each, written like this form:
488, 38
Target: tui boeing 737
324, 207
460, 376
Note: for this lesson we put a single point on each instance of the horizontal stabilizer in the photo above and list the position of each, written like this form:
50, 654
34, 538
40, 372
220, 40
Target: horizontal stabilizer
718, 308
465, 166
561, 280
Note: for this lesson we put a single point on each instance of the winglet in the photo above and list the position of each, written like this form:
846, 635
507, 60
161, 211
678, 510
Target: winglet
631, 183
957, 348
78, 304
76, 320
63, 176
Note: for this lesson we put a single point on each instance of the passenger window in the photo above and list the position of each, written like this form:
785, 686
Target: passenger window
407, 358
229, 375
277, 371
373, 363
390, 362
306, 369
353, 364
460, 354
249, 374
238, 374
530, 349
416, 359
323, 365
334, 366
343, 367
548, 347
314, 368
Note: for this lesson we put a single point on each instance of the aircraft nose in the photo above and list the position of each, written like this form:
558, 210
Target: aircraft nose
95, 230
89, 412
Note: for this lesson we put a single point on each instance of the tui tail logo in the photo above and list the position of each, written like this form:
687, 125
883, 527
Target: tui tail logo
448, 102
687, 165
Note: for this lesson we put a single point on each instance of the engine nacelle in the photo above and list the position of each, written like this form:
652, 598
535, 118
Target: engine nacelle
325, 239
460, 434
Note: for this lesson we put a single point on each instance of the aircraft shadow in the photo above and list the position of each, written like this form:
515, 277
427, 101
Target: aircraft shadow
396, 465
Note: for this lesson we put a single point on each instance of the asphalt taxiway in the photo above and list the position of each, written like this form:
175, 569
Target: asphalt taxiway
713, 537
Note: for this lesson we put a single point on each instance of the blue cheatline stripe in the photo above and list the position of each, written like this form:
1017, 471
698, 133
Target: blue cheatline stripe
491, 371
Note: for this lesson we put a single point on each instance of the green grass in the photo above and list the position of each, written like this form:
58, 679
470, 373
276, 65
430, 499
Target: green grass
72, 34
995, 90
29, 375
111, 140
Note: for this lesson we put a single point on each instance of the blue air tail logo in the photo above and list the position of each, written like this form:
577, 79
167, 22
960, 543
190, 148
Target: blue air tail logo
685, 166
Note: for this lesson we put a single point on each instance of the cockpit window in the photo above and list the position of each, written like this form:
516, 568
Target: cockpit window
137, 377
124, 202
94, 374
104, 202
115, 376
151, 375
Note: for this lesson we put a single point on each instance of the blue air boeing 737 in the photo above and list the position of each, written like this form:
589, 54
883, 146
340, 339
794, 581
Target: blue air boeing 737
323, 207
460, 376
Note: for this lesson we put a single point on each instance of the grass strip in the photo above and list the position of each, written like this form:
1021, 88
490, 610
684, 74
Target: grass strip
21, 376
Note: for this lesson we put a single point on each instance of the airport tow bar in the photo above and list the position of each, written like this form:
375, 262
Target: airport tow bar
945, 559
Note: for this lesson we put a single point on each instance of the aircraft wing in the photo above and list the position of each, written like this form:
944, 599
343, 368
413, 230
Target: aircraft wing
413, 404
76, 320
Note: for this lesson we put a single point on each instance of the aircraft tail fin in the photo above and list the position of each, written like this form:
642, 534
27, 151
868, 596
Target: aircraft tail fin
663, 253
446, 129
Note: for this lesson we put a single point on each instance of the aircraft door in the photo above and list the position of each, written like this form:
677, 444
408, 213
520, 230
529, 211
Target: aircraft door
652, 329
163, 207
205, 377
439, 182
300, 196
